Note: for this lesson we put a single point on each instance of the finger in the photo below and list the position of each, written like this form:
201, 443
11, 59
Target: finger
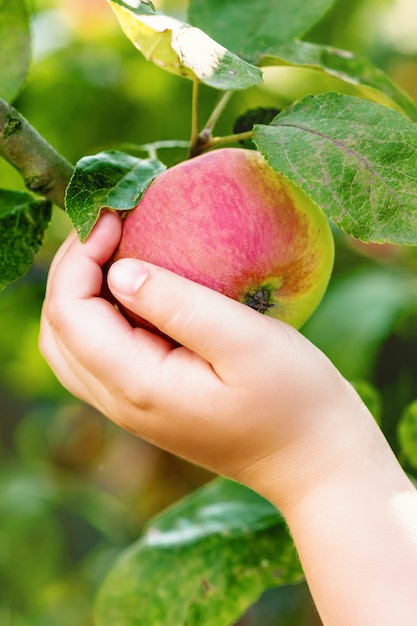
81, 383
210, 324
78, 323
97, 249
66, 369
76, 275
134, 384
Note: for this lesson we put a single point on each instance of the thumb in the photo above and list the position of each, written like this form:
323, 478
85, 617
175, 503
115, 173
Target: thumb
201, 319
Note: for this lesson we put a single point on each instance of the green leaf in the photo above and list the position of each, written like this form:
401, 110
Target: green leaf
23, 221
247, 120
354, 158
267, 33
182, 49
109, 179
370, 81
407, 434
254, 28
14, 47
203, 562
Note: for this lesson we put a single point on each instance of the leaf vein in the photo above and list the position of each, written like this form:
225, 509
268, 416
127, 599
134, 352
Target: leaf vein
340, 144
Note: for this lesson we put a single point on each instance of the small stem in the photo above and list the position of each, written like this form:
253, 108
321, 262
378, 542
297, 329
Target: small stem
215, 142
218, 110
43, 169
204, 140
194, 117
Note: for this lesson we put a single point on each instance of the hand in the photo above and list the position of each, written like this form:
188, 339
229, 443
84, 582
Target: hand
241, 390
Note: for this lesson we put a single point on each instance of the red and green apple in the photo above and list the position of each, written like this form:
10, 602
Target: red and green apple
227, 220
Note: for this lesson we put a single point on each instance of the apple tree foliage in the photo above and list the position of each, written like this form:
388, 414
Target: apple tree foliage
353, 153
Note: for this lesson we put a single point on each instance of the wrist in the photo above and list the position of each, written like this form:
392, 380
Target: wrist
339, 437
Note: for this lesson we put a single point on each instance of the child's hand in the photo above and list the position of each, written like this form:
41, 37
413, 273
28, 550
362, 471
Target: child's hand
242, 391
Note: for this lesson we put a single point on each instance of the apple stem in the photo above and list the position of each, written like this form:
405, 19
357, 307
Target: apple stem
215, 142
204, 140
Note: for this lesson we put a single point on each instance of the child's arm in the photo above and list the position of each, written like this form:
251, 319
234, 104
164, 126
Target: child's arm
249, 398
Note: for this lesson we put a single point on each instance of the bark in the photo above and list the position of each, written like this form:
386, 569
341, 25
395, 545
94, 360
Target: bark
44, 171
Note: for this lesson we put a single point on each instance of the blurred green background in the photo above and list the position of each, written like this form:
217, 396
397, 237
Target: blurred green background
75, 489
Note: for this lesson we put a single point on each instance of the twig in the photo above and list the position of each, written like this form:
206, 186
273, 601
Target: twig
153, 148
43, 169
216, 142
194, 117
204, 140
218, 110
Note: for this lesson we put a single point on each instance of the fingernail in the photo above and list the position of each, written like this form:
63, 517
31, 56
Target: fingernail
127, 276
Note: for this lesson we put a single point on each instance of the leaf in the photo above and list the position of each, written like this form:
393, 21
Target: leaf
23, 221
354, 158
109, 179
182, 49
14, 47
203, 562
246, 121
267, 33
370, 81
407, 433
254, 28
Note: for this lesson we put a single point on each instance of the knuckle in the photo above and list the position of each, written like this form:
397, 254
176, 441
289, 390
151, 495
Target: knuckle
130, 409
132, 398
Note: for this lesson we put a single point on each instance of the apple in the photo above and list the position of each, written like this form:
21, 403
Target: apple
227, 220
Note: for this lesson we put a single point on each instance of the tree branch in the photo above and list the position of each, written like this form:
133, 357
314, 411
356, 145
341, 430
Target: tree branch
43, 169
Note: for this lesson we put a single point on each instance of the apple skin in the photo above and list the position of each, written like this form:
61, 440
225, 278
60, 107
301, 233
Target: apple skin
226, 220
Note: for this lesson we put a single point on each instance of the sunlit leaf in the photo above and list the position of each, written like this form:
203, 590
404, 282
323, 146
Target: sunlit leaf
253, 28
201, 563
182, 49
354, 158
369, 80
109, 179
14, 47
23, 221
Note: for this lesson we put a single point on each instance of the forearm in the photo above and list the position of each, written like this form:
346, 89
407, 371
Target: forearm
356, 535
